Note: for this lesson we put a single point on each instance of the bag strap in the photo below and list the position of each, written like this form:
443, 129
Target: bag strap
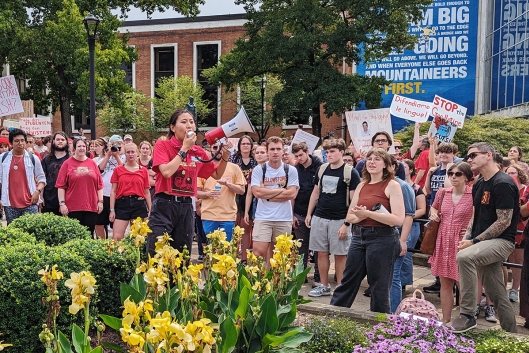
347, 171
286, 169
418, 291
31, 156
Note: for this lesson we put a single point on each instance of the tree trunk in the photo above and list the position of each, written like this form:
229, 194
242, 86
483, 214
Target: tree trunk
316, 122
64, 104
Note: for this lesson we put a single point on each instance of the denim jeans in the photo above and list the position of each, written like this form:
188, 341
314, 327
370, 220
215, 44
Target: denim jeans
406, 271
372, 252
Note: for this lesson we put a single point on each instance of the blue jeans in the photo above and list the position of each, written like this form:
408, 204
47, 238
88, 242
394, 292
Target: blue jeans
372, 252
406, 272
210, 226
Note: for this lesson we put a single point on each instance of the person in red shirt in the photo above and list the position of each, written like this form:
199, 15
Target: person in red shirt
422, 165
80, 187
177, 163
130, 197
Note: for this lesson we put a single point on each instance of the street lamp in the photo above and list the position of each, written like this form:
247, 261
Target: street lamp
90, 24
263, 86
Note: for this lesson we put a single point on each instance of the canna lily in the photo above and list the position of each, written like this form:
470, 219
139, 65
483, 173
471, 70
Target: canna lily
82, 286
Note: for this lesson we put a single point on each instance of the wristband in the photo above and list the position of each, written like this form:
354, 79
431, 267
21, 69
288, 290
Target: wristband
100, 201
62, 203
475, 241
182, 154
112, 210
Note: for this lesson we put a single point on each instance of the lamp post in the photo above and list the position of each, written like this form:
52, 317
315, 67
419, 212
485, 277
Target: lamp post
90, 24
263, 86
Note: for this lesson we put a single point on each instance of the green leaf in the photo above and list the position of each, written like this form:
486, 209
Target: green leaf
268, 321
113, 347
111, 321
126, 291
137, 282
244, 302
98, 349
64, 344
286, 315
229, 335
169, 301
78, 338
293, 341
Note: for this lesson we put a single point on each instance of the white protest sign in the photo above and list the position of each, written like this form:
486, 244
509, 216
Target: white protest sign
443, 130
39, 126
302, 136
234, 141
10, 102
363, 124
410, 109
449, 111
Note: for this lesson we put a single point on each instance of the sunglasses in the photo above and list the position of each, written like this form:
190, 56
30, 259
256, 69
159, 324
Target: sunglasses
399, 147
474, 154
457, 174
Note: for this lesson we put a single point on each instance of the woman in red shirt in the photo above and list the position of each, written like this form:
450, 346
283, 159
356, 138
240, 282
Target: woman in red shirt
130, 197
80, 187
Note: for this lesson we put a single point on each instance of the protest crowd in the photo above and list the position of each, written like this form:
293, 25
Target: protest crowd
363, 207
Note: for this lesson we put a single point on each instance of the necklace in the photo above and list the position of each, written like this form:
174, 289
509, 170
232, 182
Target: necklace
16, 166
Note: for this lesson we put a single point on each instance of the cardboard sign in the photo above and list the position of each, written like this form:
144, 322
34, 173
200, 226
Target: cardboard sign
39, 126
449, 111
363, 124
10, 102
410, 109
442, 129
302, 136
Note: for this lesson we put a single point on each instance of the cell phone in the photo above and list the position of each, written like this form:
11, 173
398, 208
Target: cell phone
379, 208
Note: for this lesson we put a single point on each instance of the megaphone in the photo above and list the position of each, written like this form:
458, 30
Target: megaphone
240, 123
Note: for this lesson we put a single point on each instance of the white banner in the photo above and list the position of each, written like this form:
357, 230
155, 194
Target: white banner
410, 109
449, 111
39, 126
10, 102
363, 124
302, 136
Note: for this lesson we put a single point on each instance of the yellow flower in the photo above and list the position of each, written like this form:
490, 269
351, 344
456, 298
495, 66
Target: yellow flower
257, 286
56, 275
250, 256
284, 244
226, 264
155, 276
129, 335
136, 310
4, 345
194, 272
82, 286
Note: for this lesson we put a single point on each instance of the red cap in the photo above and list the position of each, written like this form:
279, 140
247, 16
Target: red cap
4, 140
70, 140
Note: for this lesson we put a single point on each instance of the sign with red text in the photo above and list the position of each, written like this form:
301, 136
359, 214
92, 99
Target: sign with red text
449, 111
363, 124
410, 109
39, 126
10, 102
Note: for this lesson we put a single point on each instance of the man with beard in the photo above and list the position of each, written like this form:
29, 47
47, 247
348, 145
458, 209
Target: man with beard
219, 208
51, 164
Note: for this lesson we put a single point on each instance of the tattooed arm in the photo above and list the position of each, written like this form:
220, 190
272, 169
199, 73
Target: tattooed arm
503, 221
468, 232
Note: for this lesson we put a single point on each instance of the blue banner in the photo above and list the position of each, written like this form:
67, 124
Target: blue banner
443, 62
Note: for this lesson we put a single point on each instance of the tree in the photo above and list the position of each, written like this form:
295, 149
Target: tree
44, 41
304, 42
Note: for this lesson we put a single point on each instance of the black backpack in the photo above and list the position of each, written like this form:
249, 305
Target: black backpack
285, 166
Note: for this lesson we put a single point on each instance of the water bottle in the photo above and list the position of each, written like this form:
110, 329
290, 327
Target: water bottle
217, 188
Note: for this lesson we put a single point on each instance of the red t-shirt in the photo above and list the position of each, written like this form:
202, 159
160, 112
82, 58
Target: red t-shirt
184, 181
130, 183
81, 179
19, 195
422, 164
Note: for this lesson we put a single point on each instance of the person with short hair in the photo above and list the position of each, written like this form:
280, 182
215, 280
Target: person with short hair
4, 132
348, 158
127, 139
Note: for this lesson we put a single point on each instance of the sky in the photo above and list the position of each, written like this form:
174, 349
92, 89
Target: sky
210, 8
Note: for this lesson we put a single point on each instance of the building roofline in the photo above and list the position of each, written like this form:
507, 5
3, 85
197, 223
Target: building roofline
178, 20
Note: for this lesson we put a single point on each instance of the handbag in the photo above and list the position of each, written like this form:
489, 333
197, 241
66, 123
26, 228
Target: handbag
430, 233
418, 307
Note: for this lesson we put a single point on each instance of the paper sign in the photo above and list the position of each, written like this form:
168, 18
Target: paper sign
234, 141
363, 124
10, 102
410, 109
443, 130
449, 111
39, 126
302, 136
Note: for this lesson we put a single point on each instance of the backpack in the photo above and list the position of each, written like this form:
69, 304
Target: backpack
30, 156
418, 307
347, 171
285, 166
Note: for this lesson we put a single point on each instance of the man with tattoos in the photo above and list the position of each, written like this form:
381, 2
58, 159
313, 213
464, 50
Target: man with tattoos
488, 240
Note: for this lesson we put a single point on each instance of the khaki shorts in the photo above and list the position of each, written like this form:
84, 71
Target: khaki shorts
324, 236
267, 231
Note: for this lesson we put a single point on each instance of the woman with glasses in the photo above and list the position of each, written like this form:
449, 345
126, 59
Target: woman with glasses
376, 209
452, 207
244, 158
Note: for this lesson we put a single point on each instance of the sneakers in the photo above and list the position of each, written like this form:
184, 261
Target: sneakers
320, 291
478, 310
201, 258
463, 324
434, 288
513, 295
315, 284
367, 292
490, 314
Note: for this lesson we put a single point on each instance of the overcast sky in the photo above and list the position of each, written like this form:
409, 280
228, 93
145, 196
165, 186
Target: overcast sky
211, 8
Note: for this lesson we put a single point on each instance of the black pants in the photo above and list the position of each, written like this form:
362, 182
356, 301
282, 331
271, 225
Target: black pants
86, 218
54, 210
174, 218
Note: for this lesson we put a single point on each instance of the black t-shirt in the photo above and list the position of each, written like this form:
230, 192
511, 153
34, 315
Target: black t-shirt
437, 181
51, 167
306, 185
331, 203
498, 193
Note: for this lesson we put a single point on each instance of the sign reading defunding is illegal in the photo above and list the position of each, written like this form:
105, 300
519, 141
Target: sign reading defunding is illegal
39, 126
10, 102
410, 109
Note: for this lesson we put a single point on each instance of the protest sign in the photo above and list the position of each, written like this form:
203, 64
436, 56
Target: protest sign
449, 111
410, 109
302, 136
363, 124
442, 129
39, 126
10, 102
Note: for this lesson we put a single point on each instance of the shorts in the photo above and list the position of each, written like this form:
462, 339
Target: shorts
267, 231
324, 236
102, 218
130, 207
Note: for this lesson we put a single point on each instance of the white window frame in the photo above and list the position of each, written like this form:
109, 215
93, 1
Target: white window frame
195, 78
175, 46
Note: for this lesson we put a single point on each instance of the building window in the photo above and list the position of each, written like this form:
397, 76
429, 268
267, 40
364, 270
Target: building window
207, 56
129, 73
164, 63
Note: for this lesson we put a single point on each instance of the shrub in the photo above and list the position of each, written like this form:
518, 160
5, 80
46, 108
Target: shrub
111, 263
21, 292
51, 229
496, 341
15, 235
332, 334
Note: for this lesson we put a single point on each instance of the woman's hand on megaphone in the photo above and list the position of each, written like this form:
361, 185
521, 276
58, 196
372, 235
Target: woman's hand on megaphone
189, 141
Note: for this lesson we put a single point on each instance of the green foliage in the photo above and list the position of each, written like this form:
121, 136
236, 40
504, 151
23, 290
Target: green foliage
502, 133
10, 235
110, 263
305, 43
23, 312
51, 229
332, 334
497, 341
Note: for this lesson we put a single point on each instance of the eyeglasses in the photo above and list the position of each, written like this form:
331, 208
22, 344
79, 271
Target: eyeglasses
381, 141
512, 173
399, 147
474, 154
457, 174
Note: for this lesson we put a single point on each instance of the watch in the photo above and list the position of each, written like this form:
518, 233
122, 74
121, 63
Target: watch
182, 154
475, 241
111, 210
347, 223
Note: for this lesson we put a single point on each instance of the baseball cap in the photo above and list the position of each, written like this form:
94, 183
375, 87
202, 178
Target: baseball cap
115, 138
4, 140
127, 137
